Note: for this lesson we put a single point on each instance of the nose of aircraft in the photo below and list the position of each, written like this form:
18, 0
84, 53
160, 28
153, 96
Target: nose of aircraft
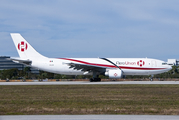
169, 67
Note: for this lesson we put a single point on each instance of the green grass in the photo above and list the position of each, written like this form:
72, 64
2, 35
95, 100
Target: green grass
90, 99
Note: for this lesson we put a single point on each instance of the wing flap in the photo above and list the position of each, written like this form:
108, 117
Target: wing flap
86, 68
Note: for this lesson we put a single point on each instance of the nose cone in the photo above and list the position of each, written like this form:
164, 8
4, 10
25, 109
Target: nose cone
169, 67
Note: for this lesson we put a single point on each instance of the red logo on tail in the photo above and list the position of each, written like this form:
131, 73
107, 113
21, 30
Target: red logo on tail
22, 46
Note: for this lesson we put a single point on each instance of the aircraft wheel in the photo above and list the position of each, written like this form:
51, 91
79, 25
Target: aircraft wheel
95, 79
91, 80
99, 80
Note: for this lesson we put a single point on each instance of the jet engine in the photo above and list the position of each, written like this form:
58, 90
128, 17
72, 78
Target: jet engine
114, 74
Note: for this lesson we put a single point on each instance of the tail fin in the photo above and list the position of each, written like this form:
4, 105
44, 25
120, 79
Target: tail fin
25, 50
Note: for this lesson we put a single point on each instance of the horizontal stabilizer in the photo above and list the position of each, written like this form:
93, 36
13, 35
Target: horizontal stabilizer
21, 61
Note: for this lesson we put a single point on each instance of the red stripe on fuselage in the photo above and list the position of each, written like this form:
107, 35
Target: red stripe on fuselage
111, 66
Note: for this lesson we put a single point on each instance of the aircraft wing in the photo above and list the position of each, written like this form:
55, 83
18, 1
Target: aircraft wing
86, 68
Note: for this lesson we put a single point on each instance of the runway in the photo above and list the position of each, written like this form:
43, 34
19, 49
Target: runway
88, 83
89, 117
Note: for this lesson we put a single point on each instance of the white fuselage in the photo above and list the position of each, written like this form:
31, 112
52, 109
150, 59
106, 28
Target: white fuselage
129, 66
113, 67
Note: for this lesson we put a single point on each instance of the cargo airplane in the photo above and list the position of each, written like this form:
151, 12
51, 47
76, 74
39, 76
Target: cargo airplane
113, 67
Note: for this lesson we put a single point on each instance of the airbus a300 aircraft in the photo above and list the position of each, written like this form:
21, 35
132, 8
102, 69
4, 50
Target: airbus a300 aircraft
112, 67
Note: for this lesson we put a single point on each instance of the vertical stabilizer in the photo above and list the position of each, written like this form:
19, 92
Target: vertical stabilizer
24, 49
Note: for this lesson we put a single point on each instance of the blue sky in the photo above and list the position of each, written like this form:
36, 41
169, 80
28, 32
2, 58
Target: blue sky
92, 28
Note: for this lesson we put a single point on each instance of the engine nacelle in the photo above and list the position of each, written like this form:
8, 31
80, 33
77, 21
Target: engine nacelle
114, 74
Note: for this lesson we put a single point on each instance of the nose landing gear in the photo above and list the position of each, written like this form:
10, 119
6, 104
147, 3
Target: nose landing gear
151, 78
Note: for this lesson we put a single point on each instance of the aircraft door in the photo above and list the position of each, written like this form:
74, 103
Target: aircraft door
153, 63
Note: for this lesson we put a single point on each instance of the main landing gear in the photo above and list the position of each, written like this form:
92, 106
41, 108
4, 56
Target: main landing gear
95, 79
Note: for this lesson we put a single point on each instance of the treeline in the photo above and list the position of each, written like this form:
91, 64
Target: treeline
26, 74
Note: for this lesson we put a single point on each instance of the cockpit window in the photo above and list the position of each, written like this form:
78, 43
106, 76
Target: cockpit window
164, 63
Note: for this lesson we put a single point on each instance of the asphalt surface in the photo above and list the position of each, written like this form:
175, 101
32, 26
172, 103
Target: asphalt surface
88, 83
89, 117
